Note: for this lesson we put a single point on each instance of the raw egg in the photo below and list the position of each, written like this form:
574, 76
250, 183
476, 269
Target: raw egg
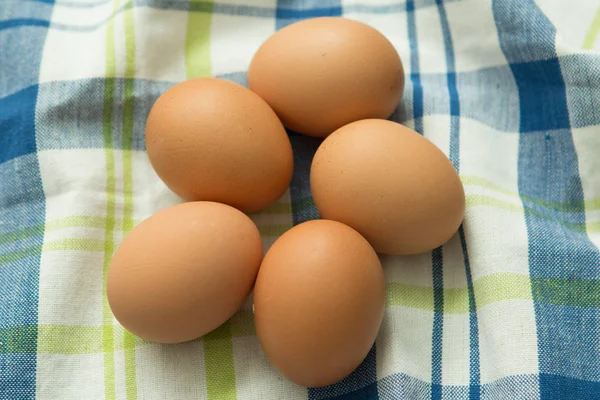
389, 183
184, 271
322, 73
318, 302
214, 140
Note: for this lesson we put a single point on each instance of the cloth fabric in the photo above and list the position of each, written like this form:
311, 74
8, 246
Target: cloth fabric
509, 90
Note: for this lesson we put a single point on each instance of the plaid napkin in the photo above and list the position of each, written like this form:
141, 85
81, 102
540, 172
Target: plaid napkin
509, 90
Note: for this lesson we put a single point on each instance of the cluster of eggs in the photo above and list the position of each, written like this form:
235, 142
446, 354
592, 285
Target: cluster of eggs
319, 292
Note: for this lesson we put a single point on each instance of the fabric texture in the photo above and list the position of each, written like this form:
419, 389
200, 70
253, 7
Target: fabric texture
508, 89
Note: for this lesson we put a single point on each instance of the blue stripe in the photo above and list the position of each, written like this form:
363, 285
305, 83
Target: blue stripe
398, 6
542, 95
556, 387
437, 262
303, 206
436, 256
474, 368
65, 3
449, 47
23, 22
415, 77
17, 123
290, 13
366, 393
281, 13
263, 12
17, 373
74, 4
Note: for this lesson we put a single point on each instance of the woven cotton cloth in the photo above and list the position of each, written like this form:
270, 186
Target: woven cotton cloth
509, 90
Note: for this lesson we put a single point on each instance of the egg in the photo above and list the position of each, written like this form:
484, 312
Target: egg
322, 73
318, 302
214, 140
389, 183
184, 271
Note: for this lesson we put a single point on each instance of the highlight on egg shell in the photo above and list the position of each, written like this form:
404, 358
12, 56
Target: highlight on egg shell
322, 73
184, 271
214, 140
389, 183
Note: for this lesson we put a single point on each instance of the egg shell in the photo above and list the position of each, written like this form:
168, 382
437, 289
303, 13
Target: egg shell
184, 271
318, 302
389, 183
322, 73
214, 140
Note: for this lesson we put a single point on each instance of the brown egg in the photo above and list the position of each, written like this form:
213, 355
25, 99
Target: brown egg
211, 139
320, 74
318, 302
184, 271
390, 184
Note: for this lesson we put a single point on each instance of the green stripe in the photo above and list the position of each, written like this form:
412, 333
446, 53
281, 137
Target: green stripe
59, 339
284, 208
106, 245
487, 184
109, 89
572, 292
590, 37
75, 221
275, 209
242, 324
20, 254
303, 204
22, 234
81, 221
218, 355
456, 300
219, 365
126, 224
499, 287
127, 145
490, 289
274, 230
18, 340
197, 43
76, 245
400, 294
52, 339
482, 200
568, 206
218, 346
68, 339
